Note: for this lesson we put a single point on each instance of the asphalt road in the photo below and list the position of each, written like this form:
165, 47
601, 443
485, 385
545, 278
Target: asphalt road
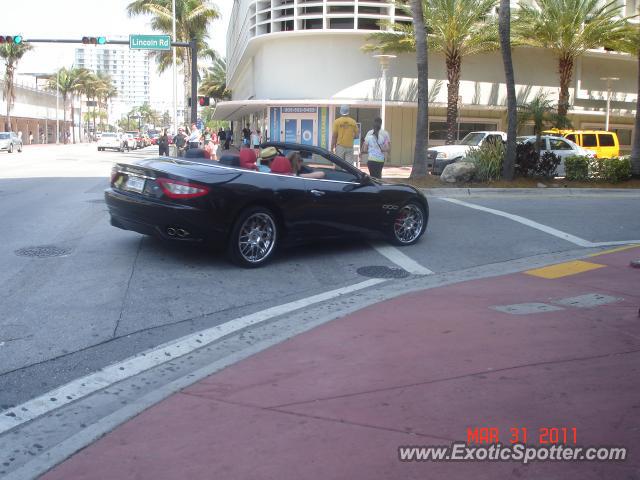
111, 294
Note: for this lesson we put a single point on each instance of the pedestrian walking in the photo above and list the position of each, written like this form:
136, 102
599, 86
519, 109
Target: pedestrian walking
30, 138
20, 135
256, 139
180, 142
228, 138
194, 137
345, 130
206, 136
246, 136
376, 145
222, 138
163, 144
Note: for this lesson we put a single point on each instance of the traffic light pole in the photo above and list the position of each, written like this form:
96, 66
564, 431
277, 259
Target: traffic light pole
190, 45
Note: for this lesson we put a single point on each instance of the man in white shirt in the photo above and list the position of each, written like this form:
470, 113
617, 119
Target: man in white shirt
194, 137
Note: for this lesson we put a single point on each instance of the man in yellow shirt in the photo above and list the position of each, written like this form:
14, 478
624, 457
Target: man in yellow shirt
345, 130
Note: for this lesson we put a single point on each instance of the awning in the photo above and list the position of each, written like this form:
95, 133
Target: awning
236, 109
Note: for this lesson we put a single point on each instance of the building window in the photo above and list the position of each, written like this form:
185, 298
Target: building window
368, 24
312, 24
624, 135
340, 23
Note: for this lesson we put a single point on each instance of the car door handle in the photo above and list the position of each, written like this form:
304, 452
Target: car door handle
317, 193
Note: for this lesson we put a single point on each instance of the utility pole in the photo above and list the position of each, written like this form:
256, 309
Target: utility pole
608, 80
175, 74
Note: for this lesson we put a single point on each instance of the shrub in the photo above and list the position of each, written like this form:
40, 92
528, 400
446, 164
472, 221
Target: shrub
596, 168
547, 164
488, 160
526, 159
616, 169
576, 168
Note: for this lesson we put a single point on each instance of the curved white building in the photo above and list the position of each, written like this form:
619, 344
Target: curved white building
291, 62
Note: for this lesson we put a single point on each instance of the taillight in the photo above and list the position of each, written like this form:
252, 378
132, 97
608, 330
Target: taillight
114, 174
178, 189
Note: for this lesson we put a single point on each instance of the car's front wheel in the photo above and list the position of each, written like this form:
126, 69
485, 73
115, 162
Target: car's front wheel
254, 237
409, 224
10, 150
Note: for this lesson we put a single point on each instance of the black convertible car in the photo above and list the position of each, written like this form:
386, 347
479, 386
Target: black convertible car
253, 212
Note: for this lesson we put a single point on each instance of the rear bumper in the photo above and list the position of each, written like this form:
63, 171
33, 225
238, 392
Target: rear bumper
156, 218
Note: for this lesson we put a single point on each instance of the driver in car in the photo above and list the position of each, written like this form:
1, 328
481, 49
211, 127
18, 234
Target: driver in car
300, 169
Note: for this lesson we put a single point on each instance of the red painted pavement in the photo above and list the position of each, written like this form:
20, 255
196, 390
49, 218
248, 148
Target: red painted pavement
336, 402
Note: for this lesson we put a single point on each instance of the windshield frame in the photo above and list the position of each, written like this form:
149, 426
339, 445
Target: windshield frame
466, 141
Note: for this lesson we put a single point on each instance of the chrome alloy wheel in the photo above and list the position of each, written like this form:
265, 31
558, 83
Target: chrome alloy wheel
257, 237
409, 223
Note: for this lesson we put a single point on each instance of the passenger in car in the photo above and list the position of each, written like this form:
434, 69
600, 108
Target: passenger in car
281, 165
248, 159
300, 169
266, 157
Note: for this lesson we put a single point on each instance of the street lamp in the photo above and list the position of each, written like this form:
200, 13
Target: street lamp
384, 66
608, 80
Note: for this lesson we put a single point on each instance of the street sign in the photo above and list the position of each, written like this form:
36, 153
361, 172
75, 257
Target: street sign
150, 42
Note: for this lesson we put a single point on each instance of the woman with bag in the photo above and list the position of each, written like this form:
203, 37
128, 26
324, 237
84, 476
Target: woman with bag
376, 144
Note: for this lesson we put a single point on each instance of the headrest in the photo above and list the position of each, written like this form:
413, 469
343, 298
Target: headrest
248, 159
230, 160
268, 152
281, 165
194, 153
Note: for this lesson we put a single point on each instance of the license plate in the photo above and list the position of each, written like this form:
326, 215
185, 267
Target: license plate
135, 184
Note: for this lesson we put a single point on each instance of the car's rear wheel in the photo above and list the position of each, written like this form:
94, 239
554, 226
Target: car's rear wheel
409, 224
254, 237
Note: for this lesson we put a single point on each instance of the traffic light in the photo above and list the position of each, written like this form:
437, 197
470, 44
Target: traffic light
94, 40
203, 101
15, 39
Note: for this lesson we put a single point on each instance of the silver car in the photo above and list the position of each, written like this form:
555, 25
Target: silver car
9, 141
562, 147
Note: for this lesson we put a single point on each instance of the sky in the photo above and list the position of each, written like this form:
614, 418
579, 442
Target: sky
77, 18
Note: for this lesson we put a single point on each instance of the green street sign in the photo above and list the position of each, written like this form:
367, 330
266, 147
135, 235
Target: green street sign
150, 42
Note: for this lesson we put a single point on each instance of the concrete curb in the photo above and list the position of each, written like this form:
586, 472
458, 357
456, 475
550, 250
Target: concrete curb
548, 192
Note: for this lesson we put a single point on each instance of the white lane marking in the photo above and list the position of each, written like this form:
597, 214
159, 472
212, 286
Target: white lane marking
400, 259
525, 221
117, 372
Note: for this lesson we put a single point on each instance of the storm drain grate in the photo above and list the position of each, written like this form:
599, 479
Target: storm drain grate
376, 271
43, 251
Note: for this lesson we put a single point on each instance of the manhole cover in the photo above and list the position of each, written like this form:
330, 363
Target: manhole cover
376, 271
43, 251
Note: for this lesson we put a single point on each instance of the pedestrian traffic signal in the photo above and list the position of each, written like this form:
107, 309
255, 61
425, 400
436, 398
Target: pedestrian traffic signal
203, 101
15, 39
94, 40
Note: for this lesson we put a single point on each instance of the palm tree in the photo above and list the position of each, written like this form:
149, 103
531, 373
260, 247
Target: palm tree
568, 28
456, 28
80, 90
504, 29
11, 53
66, 81
214, 84
419, 167
192, 21
541, 112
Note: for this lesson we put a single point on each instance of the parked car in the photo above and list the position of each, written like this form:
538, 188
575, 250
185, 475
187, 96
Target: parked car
441, 156
562, 147
130, 142
252, 212
111, 141
604, 144
146, 140
138, 138
9, 142
154, 138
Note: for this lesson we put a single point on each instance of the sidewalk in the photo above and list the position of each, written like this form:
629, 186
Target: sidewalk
555, 347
